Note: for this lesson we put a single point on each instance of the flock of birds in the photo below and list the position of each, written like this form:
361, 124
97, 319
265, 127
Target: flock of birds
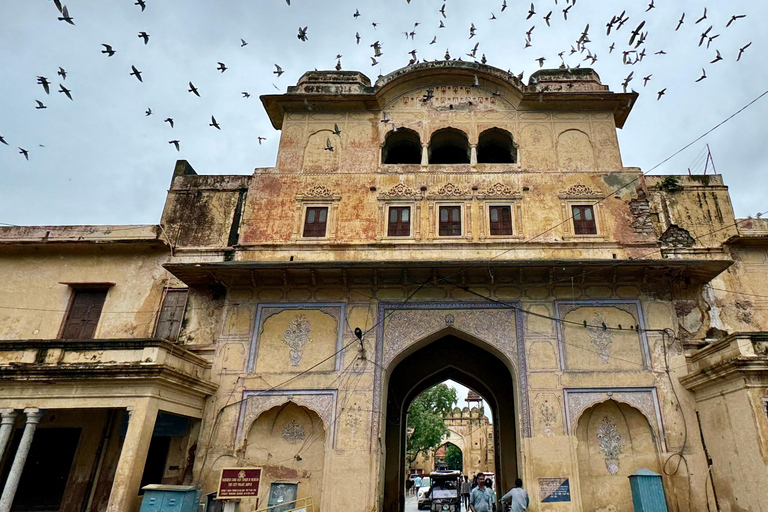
633, 47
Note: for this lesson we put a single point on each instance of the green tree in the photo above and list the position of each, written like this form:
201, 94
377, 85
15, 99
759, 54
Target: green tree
425, 424
453, 457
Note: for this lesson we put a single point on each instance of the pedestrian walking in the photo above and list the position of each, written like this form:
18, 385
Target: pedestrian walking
517, 497
466, 488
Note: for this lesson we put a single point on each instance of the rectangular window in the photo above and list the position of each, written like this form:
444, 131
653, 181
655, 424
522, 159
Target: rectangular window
171, 315
399, 221
584, 220
450, 221
501, 220
315, 221
84, 313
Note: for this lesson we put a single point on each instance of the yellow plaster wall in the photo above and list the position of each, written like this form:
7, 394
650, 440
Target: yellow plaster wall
36, 296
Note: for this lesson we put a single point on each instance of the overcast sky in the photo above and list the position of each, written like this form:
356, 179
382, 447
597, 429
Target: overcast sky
105, 162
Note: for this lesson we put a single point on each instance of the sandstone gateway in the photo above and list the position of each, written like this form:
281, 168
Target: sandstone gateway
472, 227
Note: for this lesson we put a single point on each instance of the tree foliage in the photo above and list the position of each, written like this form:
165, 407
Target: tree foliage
425, 425
453, 457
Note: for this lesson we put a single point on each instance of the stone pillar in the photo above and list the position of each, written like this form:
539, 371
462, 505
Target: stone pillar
14, 477
133, 457
473, 155
6, 427
425, 154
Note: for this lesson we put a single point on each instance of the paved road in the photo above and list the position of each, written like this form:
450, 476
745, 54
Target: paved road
410, 504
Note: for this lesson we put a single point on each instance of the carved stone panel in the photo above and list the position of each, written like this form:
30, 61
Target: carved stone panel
323, 402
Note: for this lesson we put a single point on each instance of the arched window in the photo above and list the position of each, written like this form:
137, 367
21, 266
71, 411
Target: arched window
449, 146
402, 147
495, 146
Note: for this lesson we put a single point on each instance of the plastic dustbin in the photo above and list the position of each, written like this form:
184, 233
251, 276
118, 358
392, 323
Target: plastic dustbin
647, 491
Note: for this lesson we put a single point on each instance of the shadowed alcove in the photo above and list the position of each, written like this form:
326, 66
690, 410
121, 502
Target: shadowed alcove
474, 364
495, 146
449, 146
402, 146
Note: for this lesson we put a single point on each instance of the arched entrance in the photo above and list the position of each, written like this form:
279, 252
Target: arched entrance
449, 457
474, 364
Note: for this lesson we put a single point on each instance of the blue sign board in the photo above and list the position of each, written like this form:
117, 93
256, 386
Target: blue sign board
552, 490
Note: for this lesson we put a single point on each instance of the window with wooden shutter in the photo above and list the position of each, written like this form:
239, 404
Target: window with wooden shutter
399, 221
315, 221
450, 221
500, 220
83, 315
584, 220
171, 315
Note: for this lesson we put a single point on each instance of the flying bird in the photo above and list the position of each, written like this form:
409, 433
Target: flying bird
493, 17
62, 73
531, 12
193, 90
135, 72
141, 4
144, 36
65, 91
302, 34
546, 18
540, 60
168, 120
246, 94
442, 10
328, 146
717, 57
357, 37
107, 49
45, 83
336, 130
357, 14
65, 16
24, 152
703, 17
680, 22
374, 61
703, 75
261, 139
40, 105
434, 40
734, 18
2, 139
646, 79
214, 123
242, 42
278, 70
650, 6
503, 5
442, 25
565, 12
148, 112
58, 4
741, 50
637, 32
175, 142
660, 94
222, 67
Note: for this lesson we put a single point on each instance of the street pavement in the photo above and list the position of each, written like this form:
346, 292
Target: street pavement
411, 504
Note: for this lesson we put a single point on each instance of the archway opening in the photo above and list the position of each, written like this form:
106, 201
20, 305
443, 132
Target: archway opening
472, 364
402, 146
495, 146
449, 146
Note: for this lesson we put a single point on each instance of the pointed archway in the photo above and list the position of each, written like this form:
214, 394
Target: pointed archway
470, 362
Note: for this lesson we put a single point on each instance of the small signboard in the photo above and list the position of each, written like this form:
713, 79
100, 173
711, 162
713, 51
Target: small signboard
239, 483
552, 490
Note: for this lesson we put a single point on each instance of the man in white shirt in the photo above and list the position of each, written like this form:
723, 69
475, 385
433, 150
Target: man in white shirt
517, 497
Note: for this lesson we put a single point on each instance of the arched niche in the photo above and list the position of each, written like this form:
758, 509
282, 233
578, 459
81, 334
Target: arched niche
288, 442
614, 441
495, 146
442, 454
449, 146
574, 151
401, 146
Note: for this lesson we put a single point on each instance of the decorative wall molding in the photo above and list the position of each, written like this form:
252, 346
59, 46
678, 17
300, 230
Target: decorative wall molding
399, 190
318, 192
580, 191
449, 190
294, 432
644, 400
257, 402
296, 336
265, 311
609, 441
